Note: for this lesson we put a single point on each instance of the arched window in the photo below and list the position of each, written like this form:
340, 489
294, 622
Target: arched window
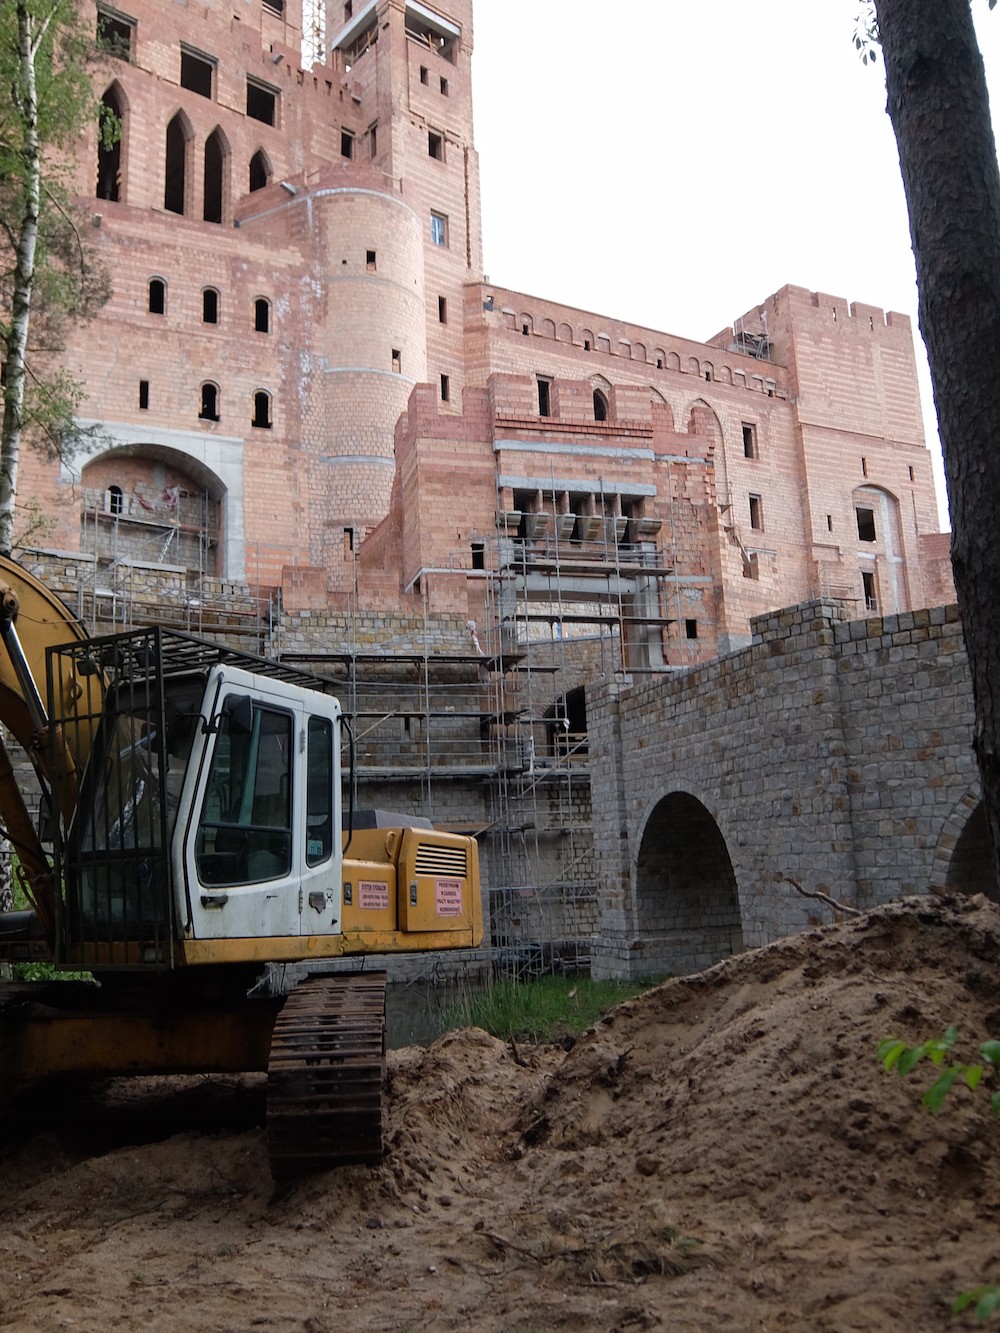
600, 406
209, 402
262, 315
260, 171
157, 296
215, 166
115, 500
175, 180
110, 122
262, 410
210, 306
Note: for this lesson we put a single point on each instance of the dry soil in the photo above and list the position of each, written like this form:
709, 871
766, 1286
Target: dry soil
722, 1153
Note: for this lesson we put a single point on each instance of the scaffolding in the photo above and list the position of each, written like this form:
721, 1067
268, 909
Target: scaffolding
481, 728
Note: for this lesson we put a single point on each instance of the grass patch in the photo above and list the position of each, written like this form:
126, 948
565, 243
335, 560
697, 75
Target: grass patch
543, 1010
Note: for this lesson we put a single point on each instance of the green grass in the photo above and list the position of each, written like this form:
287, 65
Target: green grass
543, 1010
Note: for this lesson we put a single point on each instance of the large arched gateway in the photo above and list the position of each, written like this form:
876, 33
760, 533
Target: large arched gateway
688, 911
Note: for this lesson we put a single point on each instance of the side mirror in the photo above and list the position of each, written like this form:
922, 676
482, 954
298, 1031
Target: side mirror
238, 710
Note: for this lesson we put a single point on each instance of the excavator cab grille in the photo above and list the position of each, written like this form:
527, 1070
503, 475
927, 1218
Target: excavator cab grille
109, 701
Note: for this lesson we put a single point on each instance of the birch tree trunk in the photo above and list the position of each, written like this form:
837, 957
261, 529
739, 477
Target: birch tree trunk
25, 98
939, 107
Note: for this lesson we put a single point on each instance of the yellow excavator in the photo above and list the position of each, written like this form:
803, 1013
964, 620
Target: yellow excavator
193, 797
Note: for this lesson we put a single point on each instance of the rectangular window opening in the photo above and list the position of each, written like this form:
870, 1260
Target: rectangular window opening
868, 583
912, 475
445, 388
373, 139
756, 513
478, 555
197, 72
749, 440
442, 310
439, 230
276, 6
115, 34
424, 77
143, 395
864, 467
829, 522
751, 566
262, 102
435, 145
397, 360
346, 143
866, 525
371, 261
348, 543
690, 629
544, 398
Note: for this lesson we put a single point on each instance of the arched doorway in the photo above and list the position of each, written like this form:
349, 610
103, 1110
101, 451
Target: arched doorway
688, 912
970, 869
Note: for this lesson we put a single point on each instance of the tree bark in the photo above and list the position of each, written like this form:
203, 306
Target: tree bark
939, 107
26, 108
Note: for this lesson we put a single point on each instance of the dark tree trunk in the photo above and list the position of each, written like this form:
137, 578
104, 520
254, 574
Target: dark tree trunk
939, 107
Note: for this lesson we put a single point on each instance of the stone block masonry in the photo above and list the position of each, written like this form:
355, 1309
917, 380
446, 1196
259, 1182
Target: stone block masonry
833, 752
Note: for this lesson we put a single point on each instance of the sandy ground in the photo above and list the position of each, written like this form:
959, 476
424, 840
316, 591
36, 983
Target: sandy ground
721, 1153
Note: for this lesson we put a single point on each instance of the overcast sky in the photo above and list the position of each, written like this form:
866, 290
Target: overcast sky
673, 164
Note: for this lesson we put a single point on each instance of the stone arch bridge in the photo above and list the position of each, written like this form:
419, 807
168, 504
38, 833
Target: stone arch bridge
834, 752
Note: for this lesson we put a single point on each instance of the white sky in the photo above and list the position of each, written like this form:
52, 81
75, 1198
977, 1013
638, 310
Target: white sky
672, 164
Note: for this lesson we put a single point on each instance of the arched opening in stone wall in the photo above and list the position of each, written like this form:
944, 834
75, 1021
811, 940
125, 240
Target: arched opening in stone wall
970, 869
175, 186
109, 156
148, 509
688, 911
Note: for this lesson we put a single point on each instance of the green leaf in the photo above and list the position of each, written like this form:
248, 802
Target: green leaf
963, 1302
973, 1075
991, 1052
988, 1304
910, 1059
890, 1050
937, 1092
995, 1103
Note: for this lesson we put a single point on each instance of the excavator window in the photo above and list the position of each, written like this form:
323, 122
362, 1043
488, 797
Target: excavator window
245, 830
319, 791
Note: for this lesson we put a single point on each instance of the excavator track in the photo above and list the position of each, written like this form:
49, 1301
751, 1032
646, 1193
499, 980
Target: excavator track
324, 1098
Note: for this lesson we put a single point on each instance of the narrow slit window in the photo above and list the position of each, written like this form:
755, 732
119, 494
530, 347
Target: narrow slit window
690, 629
373, 139
444, 87
260, 172
262, 315
346, 143
757, 513
210, 306
600, 406
749, 440
544, 397
423, 74
397, 360
435, 145
443, 313
109, 155
868, 584
175, 177
478, 555
371, 261
445, 389
143, 395
157, 296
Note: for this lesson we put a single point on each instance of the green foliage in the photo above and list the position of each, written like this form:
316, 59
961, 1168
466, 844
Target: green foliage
541, 1010
895, 1054
55, 278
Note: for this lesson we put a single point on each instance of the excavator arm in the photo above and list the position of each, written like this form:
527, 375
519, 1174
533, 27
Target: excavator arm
32, 620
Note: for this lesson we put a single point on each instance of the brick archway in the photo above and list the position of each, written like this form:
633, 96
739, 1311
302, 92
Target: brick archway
963, 861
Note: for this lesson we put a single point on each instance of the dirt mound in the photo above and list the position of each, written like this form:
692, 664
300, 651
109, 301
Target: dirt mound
722, 1152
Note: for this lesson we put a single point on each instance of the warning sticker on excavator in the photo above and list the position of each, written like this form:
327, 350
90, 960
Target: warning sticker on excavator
448, 896
373, 895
